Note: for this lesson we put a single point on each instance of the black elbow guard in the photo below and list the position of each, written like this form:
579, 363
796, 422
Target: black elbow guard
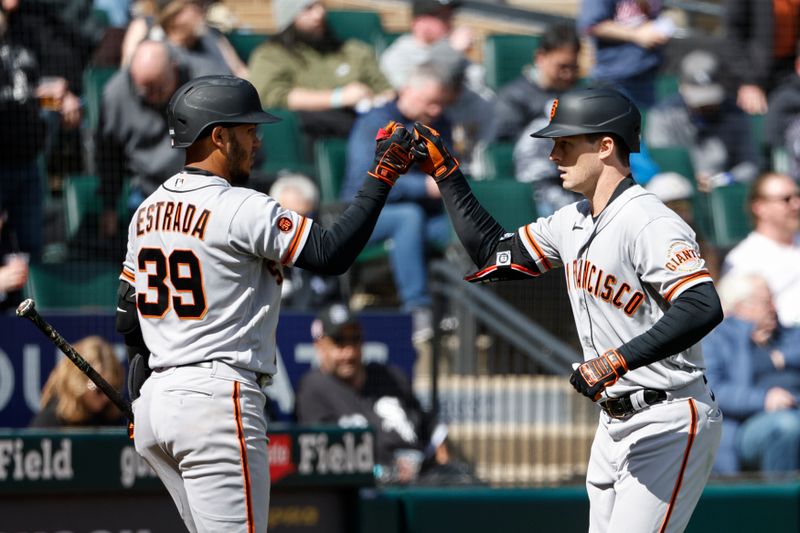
504, 264
127, 321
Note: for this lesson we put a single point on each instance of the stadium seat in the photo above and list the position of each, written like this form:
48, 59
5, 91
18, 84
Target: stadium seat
330, 159
73, 286
509, 202
94, 79
729, 221
283, 144
666, 86
245, 42
81, 199
500, 161
759, 135
504, 56
779, 156
101, 17
673, 159
362, 25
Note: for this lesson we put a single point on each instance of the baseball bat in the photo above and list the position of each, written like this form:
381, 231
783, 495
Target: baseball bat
27, 309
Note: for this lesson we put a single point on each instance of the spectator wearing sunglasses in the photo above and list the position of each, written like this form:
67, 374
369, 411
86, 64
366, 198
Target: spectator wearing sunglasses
772, 249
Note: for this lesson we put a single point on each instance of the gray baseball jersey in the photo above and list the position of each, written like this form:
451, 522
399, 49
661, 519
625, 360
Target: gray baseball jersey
623, 268
207, 260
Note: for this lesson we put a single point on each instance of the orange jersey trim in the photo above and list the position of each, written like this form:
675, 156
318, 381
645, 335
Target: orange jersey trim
679, 481
128, 276
492, 268
243, 453
295, 242
537, 249
684, 281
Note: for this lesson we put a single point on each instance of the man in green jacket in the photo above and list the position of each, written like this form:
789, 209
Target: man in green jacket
306, 69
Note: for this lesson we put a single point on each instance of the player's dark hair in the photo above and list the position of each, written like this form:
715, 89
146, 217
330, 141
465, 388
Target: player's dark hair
206, 132
623, 152
557, 36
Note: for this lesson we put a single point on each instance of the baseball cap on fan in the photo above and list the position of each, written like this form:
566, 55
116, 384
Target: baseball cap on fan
700, 85
432, 7
285, 11
670, 186
332, 322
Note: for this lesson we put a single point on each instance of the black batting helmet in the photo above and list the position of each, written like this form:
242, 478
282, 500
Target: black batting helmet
209, 100
594, 111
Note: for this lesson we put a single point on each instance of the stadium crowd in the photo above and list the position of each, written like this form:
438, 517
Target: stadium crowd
84, 87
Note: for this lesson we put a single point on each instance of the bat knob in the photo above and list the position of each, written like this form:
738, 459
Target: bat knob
24, 309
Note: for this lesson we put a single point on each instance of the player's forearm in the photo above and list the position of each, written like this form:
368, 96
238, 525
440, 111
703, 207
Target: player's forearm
478, 231
332, 251
691, 317
612, 31
301, 99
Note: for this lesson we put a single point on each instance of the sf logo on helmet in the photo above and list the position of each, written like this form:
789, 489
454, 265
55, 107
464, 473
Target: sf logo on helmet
553, 109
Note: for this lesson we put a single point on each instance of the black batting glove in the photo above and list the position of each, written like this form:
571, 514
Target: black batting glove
593, 376
431, 154
393, 145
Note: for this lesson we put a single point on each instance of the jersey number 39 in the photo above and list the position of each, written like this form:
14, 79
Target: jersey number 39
183, 270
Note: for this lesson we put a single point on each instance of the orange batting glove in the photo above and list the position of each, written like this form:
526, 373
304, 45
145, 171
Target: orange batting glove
393, 145
593, 376
431, 154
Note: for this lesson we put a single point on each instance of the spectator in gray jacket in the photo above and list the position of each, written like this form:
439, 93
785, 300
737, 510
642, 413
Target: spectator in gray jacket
433, 39
702, 118
554, 70
132, 137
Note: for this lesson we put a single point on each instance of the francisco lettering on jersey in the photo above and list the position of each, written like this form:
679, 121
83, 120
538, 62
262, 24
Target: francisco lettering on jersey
606, 287
682, 257
172, 216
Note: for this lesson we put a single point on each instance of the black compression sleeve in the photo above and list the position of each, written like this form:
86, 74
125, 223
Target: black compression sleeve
127, 320
332, 251
478, 231
693, 315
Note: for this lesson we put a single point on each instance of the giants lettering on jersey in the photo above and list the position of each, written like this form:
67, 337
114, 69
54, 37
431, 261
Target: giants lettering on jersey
606, 287
172, 216
682, 257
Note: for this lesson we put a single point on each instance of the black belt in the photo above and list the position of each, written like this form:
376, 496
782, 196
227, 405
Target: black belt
623, 406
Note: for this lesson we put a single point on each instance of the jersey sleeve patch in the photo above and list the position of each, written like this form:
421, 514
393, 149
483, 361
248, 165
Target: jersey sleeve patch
682, 256
299, 240
285, 224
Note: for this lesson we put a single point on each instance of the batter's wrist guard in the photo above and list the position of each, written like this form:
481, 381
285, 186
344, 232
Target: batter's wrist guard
502, 267
431, 154
593, 376
392, 153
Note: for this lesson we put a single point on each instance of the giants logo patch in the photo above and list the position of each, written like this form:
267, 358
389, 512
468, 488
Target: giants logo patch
682, 257
553, 109
285, 224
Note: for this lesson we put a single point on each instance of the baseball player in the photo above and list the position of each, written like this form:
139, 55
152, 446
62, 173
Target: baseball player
641, 298
200, 293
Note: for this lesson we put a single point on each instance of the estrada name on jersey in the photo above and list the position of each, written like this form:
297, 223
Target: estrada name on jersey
207, 259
